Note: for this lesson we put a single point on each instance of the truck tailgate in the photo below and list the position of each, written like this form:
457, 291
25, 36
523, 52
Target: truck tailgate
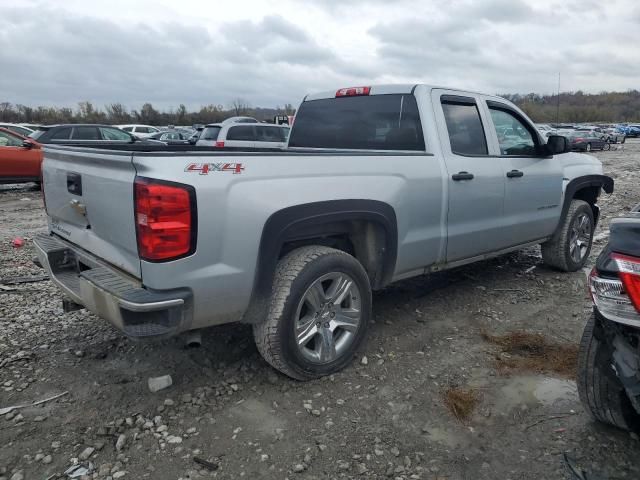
89, 200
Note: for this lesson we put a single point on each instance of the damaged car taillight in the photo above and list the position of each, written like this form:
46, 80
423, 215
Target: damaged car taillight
629, 273
618, 299
165, 214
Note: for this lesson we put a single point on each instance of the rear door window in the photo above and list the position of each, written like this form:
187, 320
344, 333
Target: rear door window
376, 122
115, 135
85, 133
466, 133
61, 134
242, 133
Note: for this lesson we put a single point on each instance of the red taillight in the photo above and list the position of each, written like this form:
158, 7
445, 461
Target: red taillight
219, 144
353, 91
165, 219
629, 273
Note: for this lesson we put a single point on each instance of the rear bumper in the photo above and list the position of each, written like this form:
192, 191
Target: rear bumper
137, 311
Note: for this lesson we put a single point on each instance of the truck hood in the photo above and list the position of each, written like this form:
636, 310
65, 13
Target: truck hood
575, 159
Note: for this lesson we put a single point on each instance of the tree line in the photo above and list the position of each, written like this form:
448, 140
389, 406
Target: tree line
579, 107
574, 107
118, 113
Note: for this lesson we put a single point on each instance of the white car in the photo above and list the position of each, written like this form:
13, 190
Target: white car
252, 135
140, 131
17, 128
545, 130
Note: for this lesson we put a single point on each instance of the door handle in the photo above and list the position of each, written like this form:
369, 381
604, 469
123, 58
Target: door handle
515, 174
462, 176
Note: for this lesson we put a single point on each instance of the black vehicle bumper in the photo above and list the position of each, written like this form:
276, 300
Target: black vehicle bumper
624, 343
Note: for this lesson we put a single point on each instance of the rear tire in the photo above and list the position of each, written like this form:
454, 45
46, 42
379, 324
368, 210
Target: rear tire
318, 315
575, 232
601, 393
588, 147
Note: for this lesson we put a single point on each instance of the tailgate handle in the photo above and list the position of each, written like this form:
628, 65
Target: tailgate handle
74, 183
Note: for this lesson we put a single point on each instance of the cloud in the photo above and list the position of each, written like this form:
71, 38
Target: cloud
200, 53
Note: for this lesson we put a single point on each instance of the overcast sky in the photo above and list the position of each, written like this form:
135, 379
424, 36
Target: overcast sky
273, 52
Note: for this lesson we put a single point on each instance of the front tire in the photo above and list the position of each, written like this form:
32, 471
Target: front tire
569, 249
318, 314
601, 393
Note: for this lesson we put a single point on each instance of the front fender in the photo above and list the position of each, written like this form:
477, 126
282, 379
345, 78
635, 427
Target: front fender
604, 182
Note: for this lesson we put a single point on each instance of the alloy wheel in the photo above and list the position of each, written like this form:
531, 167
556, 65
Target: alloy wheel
328, 317
580, 237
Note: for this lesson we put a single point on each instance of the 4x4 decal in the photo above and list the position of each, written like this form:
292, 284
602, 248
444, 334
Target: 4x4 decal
205, 168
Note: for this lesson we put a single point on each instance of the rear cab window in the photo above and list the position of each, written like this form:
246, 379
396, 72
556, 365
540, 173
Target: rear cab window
368, 122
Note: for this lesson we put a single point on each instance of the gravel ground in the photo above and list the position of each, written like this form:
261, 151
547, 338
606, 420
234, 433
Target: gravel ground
383, 417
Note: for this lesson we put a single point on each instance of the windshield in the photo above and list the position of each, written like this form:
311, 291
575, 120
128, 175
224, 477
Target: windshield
37, 134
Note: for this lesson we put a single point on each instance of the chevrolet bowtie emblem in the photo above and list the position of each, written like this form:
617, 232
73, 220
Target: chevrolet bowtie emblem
78, 207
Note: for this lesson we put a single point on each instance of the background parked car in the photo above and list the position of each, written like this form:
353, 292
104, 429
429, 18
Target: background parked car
20, 129
613, 135
585, 141
82, 134
171, 137
140, 131
20, 158
239, 120
545, 129
245, 135
630, 131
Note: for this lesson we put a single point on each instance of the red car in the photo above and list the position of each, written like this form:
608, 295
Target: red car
20, 158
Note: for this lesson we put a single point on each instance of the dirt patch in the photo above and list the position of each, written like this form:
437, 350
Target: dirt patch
461, 402
533, 352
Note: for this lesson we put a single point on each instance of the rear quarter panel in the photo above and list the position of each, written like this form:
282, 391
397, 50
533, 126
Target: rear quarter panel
234, 207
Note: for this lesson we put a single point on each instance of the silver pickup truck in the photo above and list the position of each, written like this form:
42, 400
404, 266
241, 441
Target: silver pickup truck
377, 184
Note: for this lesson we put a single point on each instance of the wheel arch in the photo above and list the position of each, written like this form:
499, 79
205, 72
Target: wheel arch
585, 188
367, 229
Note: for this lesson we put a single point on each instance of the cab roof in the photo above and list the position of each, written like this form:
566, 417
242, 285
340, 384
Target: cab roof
388, 89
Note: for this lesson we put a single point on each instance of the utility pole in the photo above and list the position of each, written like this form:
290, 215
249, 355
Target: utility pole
558, 104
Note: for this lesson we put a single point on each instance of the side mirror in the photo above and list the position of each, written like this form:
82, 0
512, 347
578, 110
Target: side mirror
28, 144
558, 144
193, 140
